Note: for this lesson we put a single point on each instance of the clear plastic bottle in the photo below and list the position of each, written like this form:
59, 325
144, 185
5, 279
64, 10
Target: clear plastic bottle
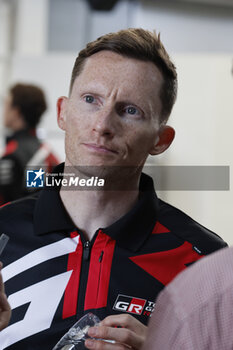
75, 338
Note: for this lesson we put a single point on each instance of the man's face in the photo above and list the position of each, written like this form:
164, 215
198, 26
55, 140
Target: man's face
112, 115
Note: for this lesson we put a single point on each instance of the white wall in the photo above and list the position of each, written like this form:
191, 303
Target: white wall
200, 42
203, 120
188, 28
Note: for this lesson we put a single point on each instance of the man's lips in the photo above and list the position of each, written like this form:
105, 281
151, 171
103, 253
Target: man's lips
99, 148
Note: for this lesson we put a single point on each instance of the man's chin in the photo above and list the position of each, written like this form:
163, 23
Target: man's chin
100, 171
115, 177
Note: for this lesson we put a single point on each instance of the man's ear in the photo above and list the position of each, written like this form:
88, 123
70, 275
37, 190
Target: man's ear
165, 137
61, 112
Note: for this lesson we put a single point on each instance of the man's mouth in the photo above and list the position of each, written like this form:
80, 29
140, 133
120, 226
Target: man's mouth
100, 148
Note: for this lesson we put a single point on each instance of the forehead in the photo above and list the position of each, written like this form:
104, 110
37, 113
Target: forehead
127, 75
112, 58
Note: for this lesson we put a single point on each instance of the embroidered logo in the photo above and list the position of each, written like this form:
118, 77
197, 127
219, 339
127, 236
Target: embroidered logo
132, 305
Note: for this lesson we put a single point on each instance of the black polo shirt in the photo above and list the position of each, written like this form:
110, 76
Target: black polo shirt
53, 275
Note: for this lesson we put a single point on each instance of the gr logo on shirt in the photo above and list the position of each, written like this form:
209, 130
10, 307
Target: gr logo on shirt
129, 304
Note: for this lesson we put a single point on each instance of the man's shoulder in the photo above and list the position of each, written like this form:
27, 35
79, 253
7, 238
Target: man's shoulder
19, 209
186, 228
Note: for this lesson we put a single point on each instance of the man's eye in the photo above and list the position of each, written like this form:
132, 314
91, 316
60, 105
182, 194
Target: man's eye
131, 110
89, 99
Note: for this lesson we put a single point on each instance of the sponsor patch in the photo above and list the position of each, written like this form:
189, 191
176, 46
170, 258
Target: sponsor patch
133, 305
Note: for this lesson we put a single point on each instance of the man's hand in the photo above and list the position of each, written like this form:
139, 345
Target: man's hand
5, 309
130, 334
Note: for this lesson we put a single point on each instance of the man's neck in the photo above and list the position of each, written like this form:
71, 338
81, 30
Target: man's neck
93, 209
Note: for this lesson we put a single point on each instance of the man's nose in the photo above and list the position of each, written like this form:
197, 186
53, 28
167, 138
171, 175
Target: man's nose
106, 122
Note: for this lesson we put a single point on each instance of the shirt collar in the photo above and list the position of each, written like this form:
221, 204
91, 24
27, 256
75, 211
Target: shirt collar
50, 214
130, 231
133, 228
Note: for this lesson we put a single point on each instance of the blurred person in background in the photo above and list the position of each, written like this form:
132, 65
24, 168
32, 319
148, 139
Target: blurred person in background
194, 311
23, 109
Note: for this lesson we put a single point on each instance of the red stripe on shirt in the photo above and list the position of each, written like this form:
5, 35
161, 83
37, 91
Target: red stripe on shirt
159, 228
164, 266
3, 205
99, 272
71, 292
10, 147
